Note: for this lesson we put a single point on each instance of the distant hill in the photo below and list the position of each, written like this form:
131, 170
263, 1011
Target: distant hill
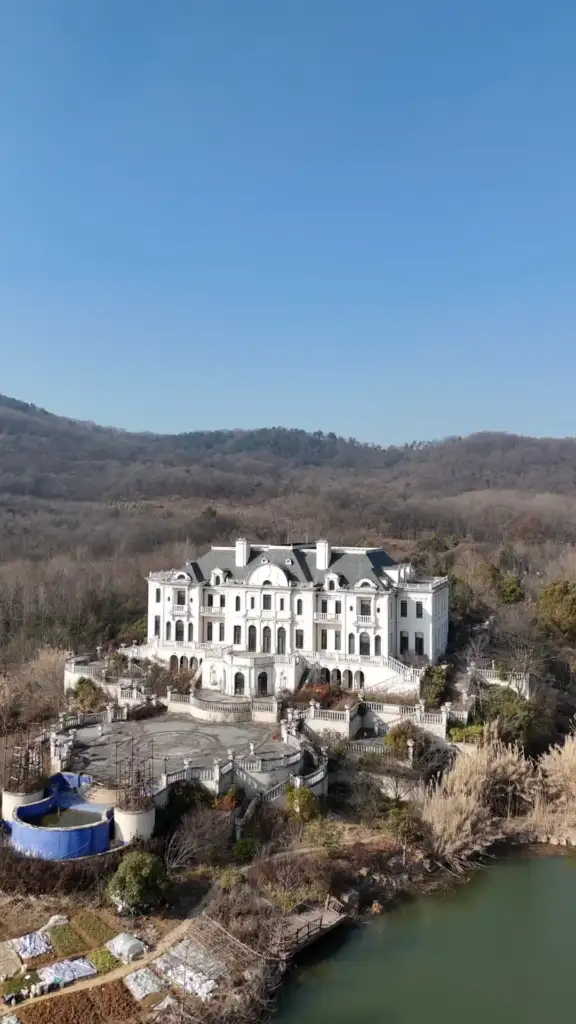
52, 457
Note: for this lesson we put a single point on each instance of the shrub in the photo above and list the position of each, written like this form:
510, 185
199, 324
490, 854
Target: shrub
103, 960
467, 733
325, 833
510, 589
229, 878
397, 739
140, 883
404, 823
302, 803
88, 696
433, 686
244, 850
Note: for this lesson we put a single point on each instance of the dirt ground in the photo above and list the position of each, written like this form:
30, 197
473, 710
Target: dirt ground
22, 914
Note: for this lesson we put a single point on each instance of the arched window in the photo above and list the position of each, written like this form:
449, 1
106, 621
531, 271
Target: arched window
179, 632
377, 645
237, 605
335, 677
266, 640
262, 684
239, 684
364, 645
173, 663
252, 638
358, 679
331, 585
168, 630
183, 663
325, 675
347, 679
190, 632
281, 644
351, 643
216, 581
298, 607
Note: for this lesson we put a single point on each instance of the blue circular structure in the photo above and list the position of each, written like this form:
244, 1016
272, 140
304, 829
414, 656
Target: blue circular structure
62, 825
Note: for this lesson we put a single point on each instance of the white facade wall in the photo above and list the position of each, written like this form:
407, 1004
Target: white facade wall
267, 624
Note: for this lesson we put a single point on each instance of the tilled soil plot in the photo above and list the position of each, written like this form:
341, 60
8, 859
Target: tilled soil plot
113, 1002
76, 1008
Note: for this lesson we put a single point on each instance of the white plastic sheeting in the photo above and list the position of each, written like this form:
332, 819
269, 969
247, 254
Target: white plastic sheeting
126, 947
31, 945
10, 1019
67, 971
142, 983
191, 968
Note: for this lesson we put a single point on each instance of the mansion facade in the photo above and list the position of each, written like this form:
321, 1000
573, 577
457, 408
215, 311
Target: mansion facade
256, 619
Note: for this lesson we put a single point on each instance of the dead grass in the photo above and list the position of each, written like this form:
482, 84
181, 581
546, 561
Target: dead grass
22, 914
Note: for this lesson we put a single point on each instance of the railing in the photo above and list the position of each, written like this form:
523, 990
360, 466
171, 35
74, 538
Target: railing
359, 747
180, 698
332, 903
327, 617
88, 671
209, 609
275, 792
295, 938
365, 620
272, 764
315, 777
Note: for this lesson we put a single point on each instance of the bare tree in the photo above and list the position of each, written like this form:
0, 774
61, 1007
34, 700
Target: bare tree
201, 834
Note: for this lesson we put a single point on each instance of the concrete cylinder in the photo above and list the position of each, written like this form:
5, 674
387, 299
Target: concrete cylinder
129, 825
10, 801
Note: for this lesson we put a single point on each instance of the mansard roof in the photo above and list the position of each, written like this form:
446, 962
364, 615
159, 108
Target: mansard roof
351, 565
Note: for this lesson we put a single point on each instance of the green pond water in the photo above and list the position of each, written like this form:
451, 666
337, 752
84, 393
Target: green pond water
67, 817
499, 950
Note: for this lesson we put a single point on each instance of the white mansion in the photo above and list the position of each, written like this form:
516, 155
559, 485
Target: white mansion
257, 619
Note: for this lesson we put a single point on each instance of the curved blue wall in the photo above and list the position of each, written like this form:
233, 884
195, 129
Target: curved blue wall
56, 843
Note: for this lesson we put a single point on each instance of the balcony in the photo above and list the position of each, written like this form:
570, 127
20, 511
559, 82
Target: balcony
327, 617
216, 610
365, 620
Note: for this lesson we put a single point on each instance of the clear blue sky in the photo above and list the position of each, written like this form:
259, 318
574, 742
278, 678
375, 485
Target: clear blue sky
349, 215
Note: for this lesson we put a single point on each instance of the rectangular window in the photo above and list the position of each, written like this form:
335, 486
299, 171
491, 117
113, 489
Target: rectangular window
324, 606
158, 595
221, 631
338, 608
323, 639
210, 600
156, 625
180, 597
251, 602
364, 607
237, 635
403, 609
337, 640
419, 611
222, 601
299, 639
237, 604
403, 643
209, 631
281, 604
419, 644
267, 602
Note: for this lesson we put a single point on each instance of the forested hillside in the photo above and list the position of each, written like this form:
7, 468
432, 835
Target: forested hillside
48, 456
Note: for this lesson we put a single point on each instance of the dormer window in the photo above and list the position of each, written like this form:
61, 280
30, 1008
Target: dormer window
331, 581
216, 581
216, 577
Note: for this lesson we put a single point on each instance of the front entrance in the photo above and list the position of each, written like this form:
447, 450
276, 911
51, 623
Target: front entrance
238, 685
262, 684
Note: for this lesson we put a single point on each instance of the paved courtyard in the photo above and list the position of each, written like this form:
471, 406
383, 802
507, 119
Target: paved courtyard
171, 737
